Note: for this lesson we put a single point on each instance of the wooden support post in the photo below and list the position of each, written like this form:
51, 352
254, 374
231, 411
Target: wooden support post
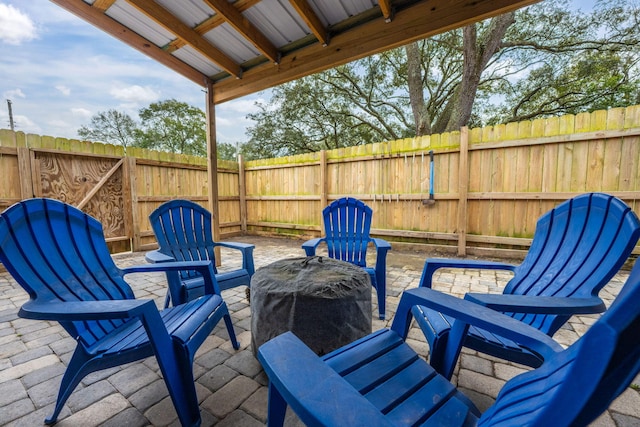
212, 166
323, 186
242, 192
463, 179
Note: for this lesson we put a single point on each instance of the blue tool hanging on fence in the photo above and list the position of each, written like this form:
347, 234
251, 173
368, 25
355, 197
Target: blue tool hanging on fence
431, 200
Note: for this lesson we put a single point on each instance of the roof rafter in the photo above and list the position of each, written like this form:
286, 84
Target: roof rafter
103, 5
312, 20
385, 7
242, 25
163, 17
96, 17
211, 23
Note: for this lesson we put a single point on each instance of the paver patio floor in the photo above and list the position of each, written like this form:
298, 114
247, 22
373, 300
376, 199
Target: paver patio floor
231, 384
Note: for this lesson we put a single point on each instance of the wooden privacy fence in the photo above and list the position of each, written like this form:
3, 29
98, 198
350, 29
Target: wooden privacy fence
120, 191
491, 184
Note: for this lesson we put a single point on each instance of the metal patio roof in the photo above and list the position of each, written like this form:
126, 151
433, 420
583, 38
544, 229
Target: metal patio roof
244, 46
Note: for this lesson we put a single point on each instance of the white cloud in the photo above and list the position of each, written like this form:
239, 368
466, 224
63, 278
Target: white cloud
244, 106
65, 90
13, 93
15, 26
81, 112
135, 94
25, 124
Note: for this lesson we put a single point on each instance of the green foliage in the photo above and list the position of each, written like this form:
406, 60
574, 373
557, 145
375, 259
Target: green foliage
549, 59
112, 127
227, 151
168, 125
173, 126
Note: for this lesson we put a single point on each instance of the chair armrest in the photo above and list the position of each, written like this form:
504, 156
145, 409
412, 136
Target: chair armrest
247, 254
433, 264
538, 304
472, 314
85, 310
156, 256
205, 268
235, 245
381, 244
310, 245
317, 393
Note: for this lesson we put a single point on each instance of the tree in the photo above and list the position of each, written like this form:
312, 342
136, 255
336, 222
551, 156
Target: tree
112, 127
227, 151
547, 59
173, 126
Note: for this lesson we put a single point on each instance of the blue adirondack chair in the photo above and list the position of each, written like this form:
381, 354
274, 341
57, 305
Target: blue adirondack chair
59, 256
184, 233
347, 222
576, 249
380, 381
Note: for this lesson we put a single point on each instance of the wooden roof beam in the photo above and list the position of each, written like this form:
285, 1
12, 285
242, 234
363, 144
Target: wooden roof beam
385, 7
311, 19
97, 18
242, 25
172, 24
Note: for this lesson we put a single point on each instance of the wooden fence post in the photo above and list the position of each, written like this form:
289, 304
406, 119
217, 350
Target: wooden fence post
242, 192
24, 169
130, 196
463, 180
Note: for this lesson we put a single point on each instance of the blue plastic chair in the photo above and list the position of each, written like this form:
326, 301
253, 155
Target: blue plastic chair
347, 223
184, 233
380, 381
576, 249
59, 256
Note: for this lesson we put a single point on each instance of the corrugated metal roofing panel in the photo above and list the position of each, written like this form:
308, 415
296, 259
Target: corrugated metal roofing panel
191, 12
139, 23
278, 21
335, 11
229, 41
196, 60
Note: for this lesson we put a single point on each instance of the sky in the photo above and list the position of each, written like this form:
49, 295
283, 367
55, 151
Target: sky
59, 71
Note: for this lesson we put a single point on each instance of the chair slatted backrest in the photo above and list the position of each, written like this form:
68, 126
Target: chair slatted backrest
578, 384
347, 222
577, 248
184, 232
58, 253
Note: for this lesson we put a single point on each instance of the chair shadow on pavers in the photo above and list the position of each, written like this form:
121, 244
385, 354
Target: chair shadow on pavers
347, 224
58, 254
577, 248
380, 381
184, 233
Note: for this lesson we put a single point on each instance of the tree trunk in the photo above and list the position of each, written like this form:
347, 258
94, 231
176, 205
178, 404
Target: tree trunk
416, 95
477, 52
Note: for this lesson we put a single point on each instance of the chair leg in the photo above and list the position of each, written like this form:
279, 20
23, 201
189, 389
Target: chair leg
230, 331
76, 370
179, 380
378, 281
277, 408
